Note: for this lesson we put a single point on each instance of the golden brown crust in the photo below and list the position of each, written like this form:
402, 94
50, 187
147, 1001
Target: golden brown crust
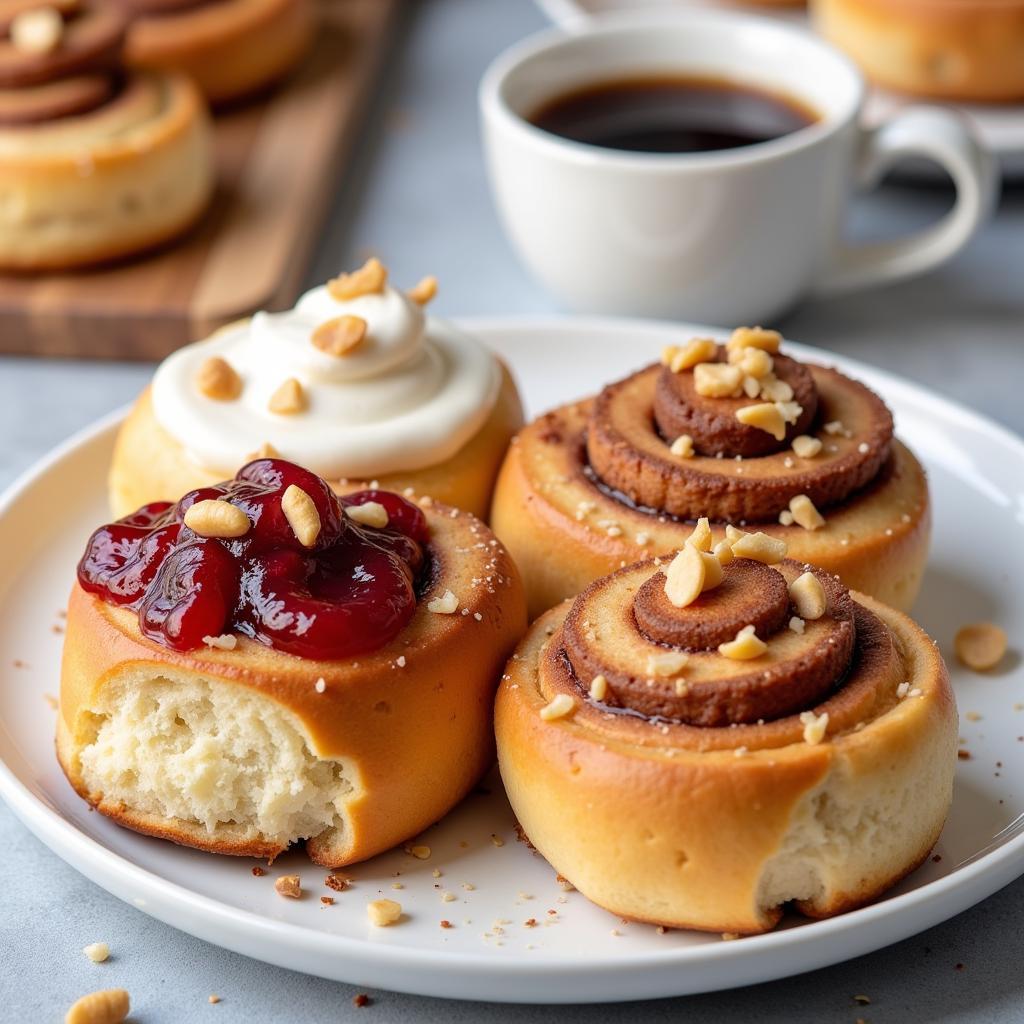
565, 531
113, 181
150, 465
231, 48
938, 48
418, 733
683, 826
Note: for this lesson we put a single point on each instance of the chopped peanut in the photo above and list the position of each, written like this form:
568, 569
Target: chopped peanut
370, 513
814, 726
289, 885
723, 552
682, 357
341, 336
666, 663
775, 390
808, 596
805, 514
559, 707
217, 380
599, 688
383, 913
216, 518
682, 447
38, 30
760, 547
754, 362
108, 1006
288, 399
424, 291
717, 380
980, 646
369, 279
806, 447
447, 604
301, 512
744, 647
701, 536
764, 416
754, 337
684, 578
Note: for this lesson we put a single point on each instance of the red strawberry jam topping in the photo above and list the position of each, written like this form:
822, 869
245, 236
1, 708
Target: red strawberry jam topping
350, 592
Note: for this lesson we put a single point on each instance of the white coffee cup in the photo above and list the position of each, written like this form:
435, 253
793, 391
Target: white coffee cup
727, 237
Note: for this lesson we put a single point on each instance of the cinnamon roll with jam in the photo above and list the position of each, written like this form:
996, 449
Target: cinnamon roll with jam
95, 163
741, 432
699, 742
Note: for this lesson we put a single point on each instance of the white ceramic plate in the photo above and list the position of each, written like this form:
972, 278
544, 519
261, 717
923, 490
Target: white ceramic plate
575, 953
999, 125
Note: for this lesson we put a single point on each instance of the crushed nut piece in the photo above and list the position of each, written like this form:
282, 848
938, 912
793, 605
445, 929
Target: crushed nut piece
38, 30
108, 1006
598, 688
97, 952
666, 663
723, 552
446, 604
717, 380
216, 518
288, 885
806, 447
339, 883
765, 416
754, 337
370, 513
420, 852
689, 574
383, 913
754, 362
785, 517
759, 546
369, 279
340, 336
682, 447
980, 646
808, 596
796, 624
682, 357
701, 536
805, 514
814, 726
288, 399
301, 512
559, 707
834, 427
424, 291
775, 390
216, 379
224, 642
747, 645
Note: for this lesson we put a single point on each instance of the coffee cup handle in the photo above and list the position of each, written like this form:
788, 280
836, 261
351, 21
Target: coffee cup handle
937, 135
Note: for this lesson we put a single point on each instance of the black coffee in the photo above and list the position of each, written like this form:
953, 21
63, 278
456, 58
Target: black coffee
671, 115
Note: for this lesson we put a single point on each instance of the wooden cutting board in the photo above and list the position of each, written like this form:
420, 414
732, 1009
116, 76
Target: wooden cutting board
279, 163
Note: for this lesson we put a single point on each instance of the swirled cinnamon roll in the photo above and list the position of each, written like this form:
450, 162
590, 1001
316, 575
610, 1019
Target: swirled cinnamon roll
698, 744
95, 163
229, 48
740, 432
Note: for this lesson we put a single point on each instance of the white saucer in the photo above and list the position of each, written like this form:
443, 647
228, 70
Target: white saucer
575, 952
999, 126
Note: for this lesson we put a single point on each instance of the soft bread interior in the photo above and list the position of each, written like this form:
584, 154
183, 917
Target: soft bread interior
212, 755
858, 831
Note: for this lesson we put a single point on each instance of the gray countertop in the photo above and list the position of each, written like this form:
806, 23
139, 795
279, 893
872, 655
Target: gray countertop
417, 195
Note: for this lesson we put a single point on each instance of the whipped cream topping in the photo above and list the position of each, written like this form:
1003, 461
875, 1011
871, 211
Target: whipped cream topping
409, 396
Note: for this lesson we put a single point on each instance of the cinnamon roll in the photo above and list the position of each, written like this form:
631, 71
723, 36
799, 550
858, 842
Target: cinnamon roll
229, 48
698, 744
95, 163
740, 431
942, 49
262, 663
